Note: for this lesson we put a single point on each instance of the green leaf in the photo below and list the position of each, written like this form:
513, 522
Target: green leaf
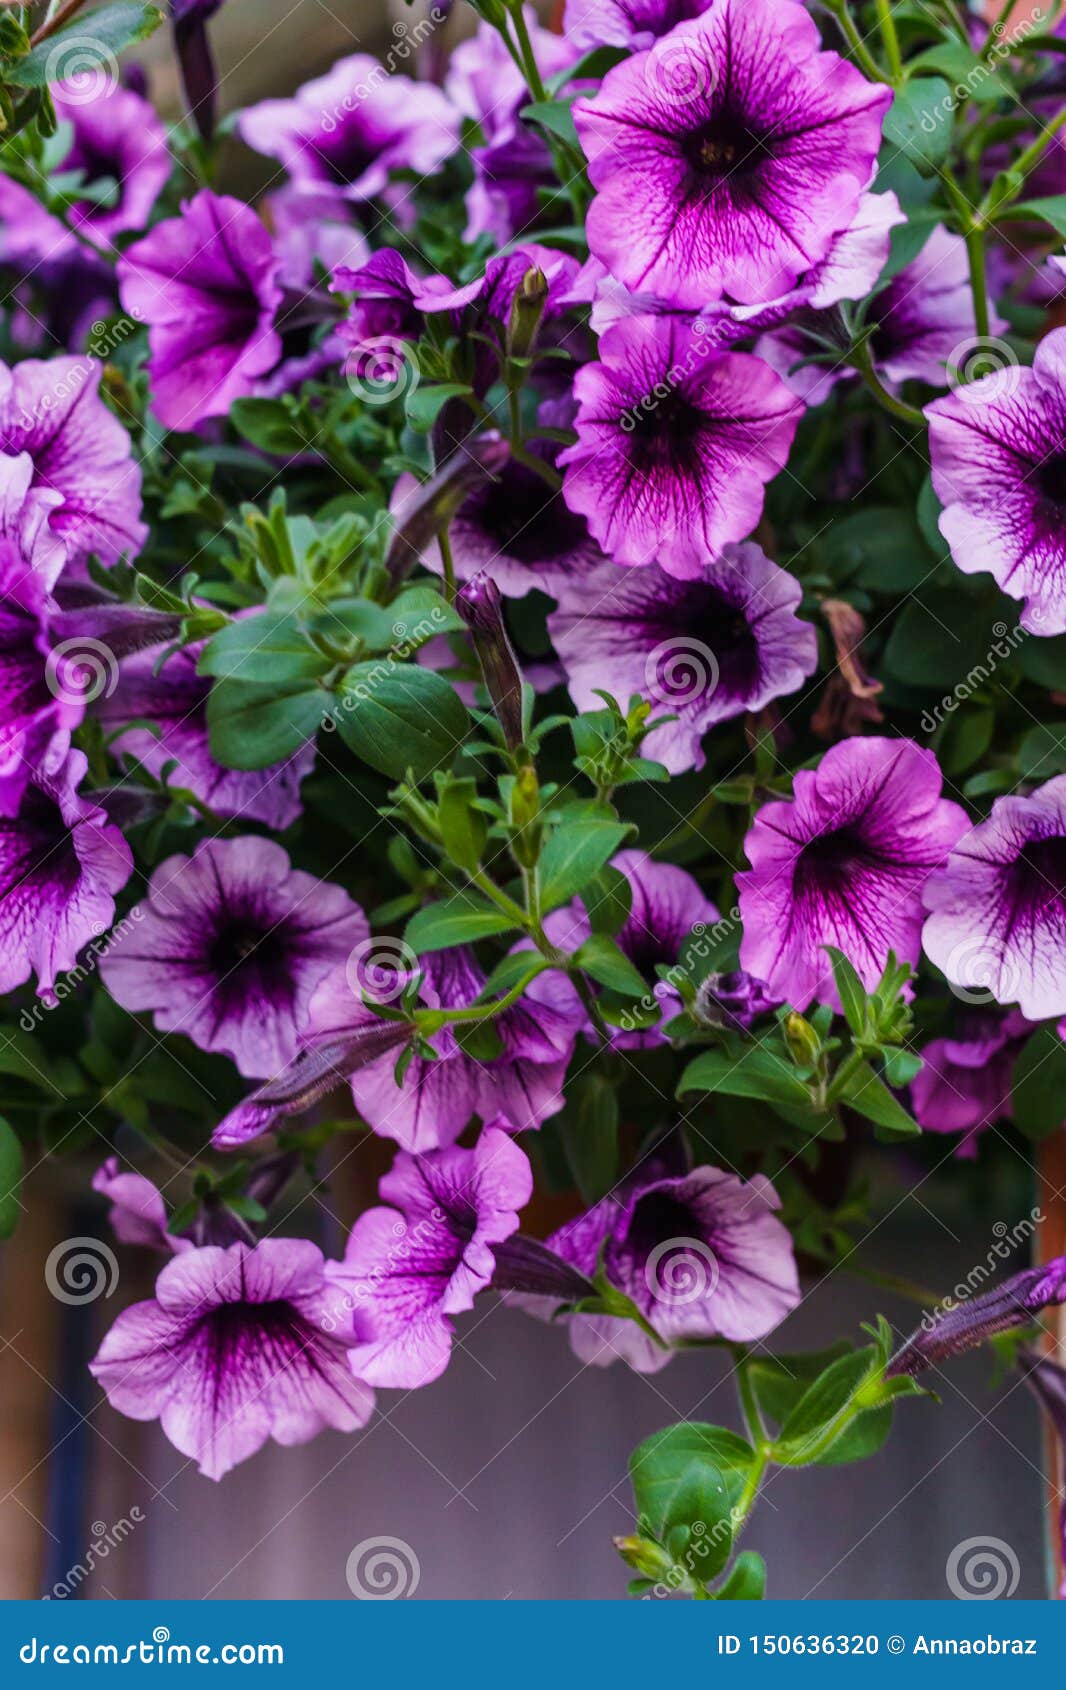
697, 1527
851, 990
265, 649
960, 64
399, 717
872, 1098
918, 121
101, 35
1050, 210
1042, 752
464, 829
460, 920
556, 117
746, 1581
588, 1128
807, 1434
253, 727
758, 1072
656, 1466
11, 1164
608, 901
601, 957
268, 424
424, 404
591, 67
574, 854
1038, 1086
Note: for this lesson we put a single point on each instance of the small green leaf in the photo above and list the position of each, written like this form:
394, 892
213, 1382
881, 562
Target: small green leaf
574, 854
746, 1581
460, 920
1038, 1085
399, 717
100, 35
268, 424
464, 829
424, 404
254, 727
919, 122
697, 1528
265, 650
851, 990
657, 1465
11, 1164
588, 1128
808, 1432
758, 1072
556, 117
872, 1098
601, 957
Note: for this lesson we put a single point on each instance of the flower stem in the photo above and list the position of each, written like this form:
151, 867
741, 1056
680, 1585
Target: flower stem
860, 357
447, 562
891, 40
863, 56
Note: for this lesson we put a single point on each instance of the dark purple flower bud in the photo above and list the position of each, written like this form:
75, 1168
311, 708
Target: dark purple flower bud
526, 1265
481, 608
732, 1001
198, 74
956, 1327
315, 1073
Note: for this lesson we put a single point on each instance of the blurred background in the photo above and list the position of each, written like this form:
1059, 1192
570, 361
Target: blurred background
507, 1479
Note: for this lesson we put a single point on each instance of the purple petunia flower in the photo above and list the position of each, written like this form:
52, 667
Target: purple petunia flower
138, 1214
925, 317
964, 1084
997, 907
960, 1326
728, 156
173, 699
409, 1268
702, 1256
229, 947
237, 1346
436, 1098
667, 906
61, 864
843, 863
513, 161
79, 450
705, 649
206, 284
675, 443
625, 23
118, 143
39, 697
998, 447
344, 132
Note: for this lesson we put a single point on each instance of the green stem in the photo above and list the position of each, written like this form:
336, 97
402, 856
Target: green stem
448, 562
890, 39
434, 1018
63, 16
999, 28
855, 41
975, 252
525, 47
507, 904
1035, 151
860, 357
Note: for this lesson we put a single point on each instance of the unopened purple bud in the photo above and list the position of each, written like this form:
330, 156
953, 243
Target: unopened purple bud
961, 1326
481, 608
198, 74
731, 1001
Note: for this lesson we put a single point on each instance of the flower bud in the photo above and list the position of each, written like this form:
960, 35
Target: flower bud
480, 606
